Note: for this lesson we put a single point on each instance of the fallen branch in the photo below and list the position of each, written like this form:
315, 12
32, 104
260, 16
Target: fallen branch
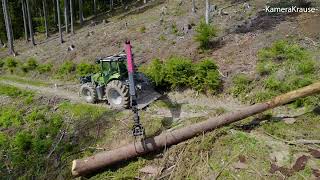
299, 142
103, 159
304, 141
56, 145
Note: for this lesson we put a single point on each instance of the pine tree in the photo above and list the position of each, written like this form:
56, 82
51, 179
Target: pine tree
81, 12
71, 17
59, 20
44, 6
30, 23
7, 20
25, 19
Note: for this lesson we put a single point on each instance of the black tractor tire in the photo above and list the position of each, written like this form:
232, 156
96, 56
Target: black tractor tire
88, 93
118, 94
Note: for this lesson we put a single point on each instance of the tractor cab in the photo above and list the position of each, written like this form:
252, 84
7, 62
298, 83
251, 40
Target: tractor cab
111, 67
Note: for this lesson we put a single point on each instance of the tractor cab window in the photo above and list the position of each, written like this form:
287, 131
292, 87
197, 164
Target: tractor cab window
113, 67
123, 68
105, 66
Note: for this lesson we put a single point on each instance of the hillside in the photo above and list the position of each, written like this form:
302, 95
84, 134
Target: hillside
255, 56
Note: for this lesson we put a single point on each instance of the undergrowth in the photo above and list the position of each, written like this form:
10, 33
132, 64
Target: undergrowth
179, 72
281, 68
30, 133
11, 91
205, 34
66, 71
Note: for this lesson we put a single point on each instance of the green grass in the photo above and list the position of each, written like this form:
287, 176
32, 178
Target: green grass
309, 122
241, 83
282, 67
129, 171
142, 29
11, 91
82, 111
29, 131
22, 80
10, 117
45, 68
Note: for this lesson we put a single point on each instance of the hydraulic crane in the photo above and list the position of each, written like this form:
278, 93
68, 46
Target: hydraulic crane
137, 129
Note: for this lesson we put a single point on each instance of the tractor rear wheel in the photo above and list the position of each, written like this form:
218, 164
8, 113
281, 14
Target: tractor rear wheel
88, 93
118, 94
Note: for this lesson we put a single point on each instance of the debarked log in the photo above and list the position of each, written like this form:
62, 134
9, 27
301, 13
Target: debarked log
101, 160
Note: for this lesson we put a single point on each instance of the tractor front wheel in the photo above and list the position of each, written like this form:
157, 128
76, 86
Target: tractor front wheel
118, 94
88, 93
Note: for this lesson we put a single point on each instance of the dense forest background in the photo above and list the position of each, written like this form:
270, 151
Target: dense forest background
37, 9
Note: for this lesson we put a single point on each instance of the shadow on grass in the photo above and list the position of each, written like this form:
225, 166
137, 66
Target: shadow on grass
256, 122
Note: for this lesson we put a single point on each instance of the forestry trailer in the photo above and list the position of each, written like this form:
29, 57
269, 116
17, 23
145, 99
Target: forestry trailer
119, 85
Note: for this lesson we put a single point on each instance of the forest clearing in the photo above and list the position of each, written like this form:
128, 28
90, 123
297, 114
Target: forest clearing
159, 89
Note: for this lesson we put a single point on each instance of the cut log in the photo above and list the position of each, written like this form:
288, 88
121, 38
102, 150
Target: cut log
103, 159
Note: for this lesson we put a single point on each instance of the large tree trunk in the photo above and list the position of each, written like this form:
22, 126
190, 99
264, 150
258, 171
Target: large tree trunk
8, 25
25, 20
44, 4
66, 15
207, 11
71, 17
103, 159
59, 21
30, 23
81, 12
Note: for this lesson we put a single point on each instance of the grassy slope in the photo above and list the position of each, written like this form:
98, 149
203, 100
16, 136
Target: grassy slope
205, 156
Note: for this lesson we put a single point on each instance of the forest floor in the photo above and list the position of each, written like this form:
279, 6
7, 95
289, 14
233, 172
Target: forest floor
265, 146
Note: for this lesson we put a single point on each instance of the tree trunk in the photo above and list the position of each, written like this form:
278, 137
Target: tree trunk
44, 4
59, 21
71, 17
81, 12
94, 8
30, 23
111, 4
144, 1
193, 6
7, 21
207, 11
55, 17
66, 15
25, 19
103, 159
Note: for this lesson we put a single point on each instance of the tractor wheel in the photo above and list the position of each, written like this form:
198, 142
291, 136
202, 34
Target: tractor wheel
118, 94
88, 93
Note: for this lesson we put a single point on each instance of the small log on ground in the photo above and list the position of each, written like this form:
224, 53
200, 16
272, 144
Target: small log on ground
101, 160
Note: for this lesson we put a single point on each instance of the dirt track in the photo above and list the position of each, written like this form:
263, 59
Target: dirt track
47, 91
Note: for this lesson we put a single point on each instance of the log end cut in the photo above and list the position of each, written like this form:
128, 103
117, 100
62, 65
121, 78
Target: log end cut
74, 168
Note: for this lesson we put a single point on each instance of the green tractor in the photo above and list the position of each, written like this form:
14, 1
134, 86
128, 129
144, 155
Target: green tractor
111, 84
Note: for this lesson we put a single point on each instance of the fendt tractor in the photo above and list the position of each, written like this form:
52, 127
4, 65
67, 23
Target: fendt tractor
120, 85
